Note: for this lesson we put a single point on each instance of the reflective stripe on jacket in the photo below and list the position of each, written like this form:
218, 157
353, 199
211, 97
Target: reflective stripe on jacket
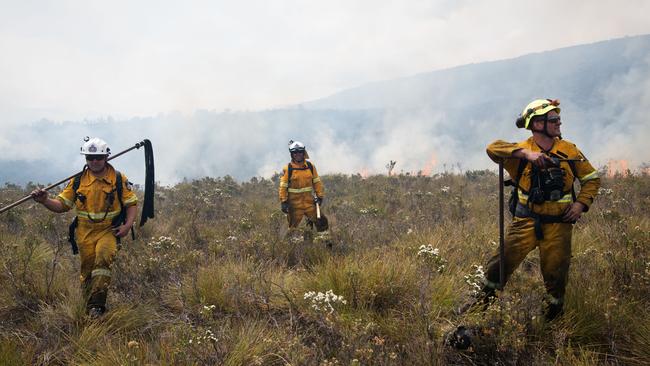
302, 184
97, 192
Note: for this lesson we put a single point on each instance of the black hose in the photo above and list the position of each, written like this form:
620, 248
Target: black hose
149, 185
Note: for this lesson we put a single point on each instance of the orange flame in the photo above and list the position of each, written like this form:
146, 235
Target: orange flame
428, 167
617, 167
364, 173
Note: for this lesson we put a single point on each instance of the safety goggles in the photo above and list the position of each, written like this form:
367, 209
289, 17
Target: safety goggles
298, 152
95, 157
556, 119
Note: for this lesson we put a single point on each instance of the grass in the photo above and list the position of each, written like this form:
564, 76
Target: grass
216, 278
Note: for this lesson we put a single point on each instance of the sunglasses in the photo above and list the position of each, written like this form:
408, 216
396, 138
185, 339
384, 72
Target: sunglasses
554, 119
95, 157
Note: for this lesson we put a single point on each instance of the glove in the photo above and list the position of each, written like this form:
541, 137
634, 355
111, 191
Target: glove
284, 206
318, 200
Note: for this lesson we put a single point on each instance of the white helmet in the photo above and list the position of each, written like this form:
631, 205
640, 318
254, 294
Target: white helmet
296, 146
95, 146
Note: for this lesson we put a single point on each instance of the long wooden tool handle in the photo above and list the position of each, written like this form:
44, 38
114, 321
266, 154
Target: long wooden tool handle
502, 251
27, 198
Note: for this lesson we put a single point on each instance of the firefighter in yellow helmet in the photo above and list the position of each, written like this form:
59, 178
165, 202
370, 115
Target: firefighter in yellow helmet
544, 204
105, 213
300, 187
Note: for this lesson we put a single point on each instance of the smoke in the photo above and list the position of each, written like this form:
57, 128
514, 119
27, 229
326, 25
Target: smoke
627, 129
427, 123
241, 145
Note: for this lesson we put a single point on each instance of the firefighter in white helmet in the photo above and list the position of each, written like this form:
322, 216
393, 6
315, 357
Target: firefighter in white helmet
106, 208
300, 187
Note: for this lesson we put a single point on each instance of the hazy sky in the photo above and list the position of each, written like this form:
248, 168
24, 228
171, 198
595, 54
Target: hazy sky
71, 60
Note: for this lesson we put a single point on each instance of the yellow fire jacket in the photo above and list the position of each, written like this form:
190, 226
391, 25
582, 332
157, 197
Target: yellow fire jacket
303, 182
96, 207
586, 174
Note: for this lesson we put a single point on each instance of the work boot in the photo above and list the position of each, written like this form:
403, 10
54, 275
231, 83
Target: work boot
460, 338
553, 311
96, 312
479, 302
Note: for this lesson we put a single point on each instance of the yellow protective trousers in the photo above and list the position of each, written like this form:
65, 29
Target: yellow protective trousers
554, 254
97, 249
296, 213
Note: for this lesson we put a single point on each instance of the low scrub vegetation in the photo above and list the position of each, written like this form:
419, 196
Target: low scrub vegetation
217, 278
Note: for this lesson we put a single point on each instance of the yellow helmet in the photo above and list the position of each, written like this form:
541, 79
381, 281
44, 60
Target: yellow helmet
537, 107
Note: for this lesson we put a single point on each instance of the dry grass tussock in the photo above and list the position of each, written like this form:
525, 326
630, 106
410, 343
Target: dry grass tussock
217, 278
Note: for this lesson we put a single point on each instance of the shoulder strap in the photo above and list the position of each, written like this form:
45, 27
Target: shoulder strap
76, 182
118, 188
290, 169
572, 165
520, 169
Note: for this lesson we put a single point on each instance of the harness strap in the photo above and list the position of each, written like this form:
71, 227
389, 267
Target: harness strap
514, 195
520, 169
290, 169
117, 220
524, 212
572, 165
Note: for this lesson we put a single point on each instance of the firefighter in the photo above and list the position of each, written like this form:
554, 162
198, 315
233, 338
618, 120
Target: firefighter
544, 204
300, 188
106, 208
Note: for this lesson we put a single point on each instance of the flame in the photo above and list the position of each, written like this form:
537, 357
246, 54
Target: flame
428, 167
617, 167
364, 173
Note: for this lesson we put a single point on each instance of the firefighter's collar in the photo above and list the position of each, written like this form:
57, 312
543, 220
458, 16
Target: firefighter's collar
108, 177
299, 165
539, 148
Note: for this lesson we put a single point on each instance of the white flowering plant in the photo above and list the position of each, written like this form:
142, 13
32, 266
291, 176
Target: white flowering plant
324, 302
432, 258
162, 243
475, 279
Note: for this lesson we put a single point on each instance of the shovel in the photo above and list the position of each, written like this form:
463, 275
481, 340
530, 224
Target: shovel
321, 221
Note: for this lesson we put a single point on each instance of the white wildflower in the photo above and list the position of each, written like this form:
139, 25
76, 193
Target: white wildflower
605, 191
475, 280
324, 301
431, 256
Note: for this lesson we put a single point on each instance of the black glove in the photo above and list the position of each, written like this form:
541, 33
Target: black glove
318, 200
284, 206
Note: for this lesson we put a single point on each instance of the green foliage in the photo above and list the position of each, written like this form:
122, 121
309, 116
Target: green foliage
217, 278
